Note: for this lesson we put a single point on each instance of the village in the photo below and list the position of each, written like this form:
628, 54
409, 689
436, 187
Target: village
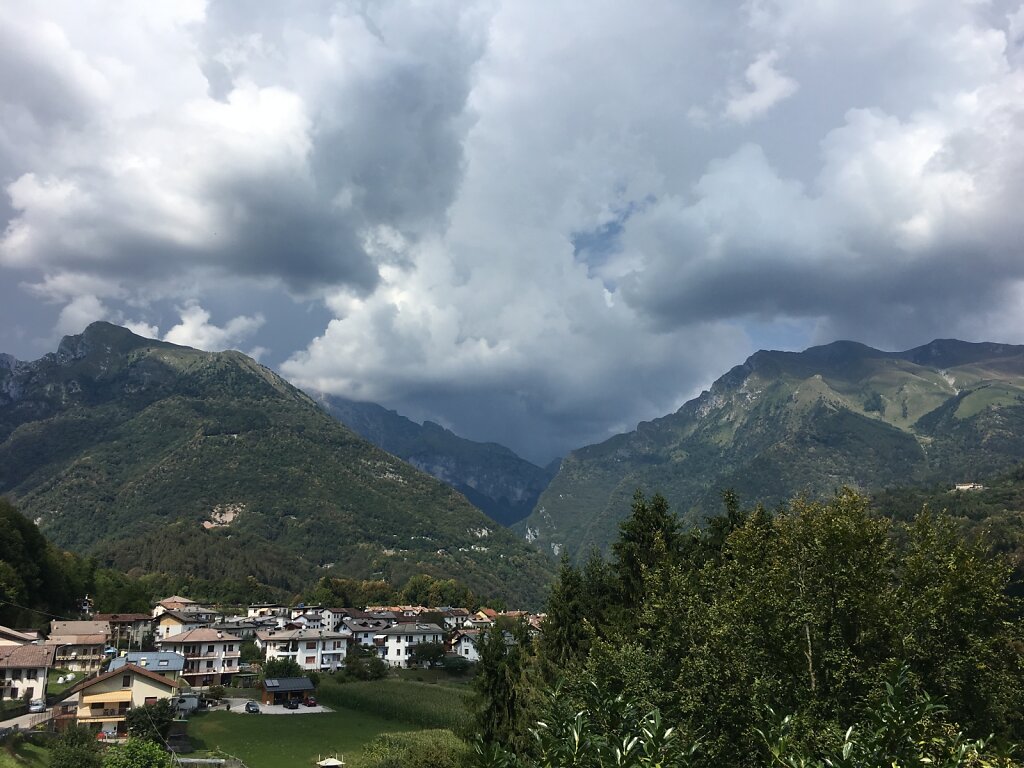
93, 672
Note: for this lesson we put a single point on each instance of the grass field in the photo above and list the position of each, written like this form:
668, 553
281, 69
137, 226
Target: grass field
24, 756
426, 705
289, 741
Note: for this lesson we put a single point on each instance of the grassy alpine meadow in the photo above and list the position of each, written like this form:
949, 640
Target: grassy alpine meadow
290, 741
427, 705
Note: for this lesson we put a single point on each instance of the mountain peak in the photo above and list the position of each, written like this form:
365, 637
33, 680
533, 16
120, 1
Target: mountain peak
105, 337
949, 353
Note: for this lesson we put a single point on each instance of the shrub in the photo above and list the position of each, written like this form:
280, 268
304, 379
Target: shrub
439, 748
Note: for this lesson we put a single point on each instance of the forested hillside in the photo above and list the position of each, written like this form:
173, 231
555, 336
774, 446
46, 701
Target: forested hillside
785, 423
209, 466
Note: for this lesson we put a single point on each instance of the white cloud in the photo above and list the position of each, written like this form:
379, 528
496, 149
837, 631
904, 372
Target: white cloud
79, 312
765, 87
196, 330
534, 221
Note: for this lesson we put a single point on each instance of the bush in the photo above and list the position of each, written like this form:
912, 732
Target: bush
419, 749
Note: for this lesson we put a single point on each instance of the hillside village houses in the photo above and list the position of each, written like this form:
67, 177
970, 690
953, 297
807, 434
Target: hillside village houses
398, 641
314, 650
80, 646
200, 646
128, 628
103, 701
23, 670
10, 636
165, 663
211, 657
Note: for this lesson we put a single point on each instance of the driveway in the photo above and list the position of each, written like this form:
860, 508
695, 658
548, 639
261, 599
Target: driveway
238, 707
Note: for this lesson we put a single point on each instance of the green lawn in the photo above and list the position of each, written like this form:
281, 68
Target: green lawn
289, 741
53, 688
25, 756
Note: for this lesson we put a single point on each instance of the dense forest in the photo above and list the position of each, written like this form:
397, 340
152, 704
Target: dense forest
38, 581
811, 634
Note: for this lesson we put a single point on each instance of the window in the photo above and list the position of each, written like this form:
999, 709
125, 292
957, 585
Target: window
229, 663
126, 681
408, 639
209, 665
150, 700
311, 659
231, 647
209, 649
310, 645
32, 674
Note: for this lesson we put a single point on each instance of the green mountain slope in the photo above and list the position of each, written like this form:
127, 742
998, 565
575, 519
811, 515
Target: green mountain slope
497, 481
790, 422
124, 447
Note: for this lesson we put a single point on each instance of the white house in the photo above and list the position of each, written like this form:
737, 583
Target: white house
396, 643
364, 630
259, 610
211, 657
464, 644
309, 621
312, 649
23, 670
298, 610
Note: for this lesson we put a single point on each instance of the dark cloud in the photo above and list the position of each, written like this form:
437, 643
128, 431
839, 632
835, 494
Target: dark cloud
537, 223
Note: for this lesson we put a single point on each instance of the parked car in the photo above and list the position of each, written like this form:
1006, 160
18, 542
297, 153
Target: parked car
37, 705
310, 701
291, 704
252, 706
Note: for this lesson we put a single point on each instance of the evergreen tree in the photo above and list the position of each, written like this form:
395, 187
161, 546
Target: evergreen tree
650, 534
566, 633
504, 687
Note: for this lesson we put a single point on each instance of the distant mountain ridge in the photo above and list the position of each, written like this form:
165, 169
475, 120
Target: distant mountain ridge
783, 423
169, 459
497, 481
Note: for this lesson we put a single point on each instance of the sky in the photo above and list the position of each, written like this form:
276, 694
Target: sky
534, 222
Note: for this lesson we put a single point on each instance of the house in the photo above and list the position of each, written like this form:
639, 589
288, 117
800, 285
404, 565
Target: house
364, 630
396, 643
312, 649
300, 609
10, 636
245, 628
80, 645
103, 702
463, 644
308, 621
482, 619
174, 603
165, 663
23, 671
171, 623
454, 617
278, 690
127, 628
211, 657
260, 610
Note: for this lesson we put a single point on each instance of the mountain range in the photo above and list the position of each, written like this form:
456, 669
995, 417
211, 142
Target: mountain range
164, 458
785, 423
497, 481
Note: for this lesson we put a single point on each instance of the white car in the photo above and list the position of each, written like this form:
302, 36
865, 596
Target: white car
37, 705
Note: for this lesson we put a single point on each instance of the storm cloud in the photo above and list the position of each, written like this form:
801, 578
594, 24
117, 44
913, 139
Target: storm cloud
534, 222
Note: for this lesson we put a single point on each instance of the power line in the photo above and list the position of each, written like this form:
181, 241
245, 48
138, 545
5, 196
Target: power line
36, 610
